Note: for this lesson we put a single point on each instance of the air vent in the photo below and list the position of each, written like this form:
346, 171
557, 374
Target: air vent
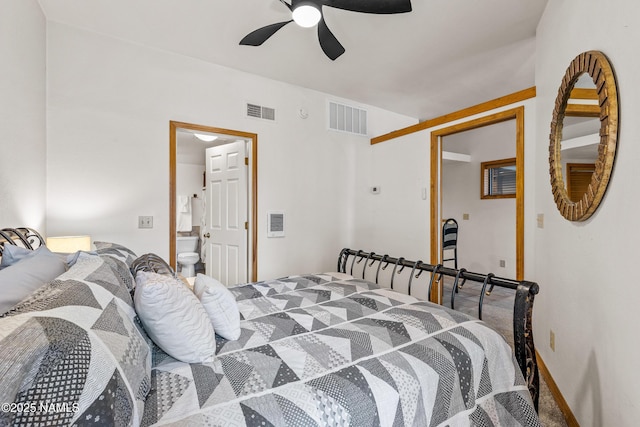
345, 118
260, 112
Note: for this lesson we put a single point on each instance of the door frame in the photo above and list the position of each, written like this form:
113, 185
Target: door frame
516, 114
253, 196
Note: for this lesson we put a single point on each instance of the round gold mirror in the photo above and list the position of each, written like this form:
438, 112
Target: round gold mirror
584, 135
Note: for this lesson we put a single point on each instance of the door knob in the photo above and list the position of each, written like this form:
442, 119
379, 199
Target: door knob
206, 236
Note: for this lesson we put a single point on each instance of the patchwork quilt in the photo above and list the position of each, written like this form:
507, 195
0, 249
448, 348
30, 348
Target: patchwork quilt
323, 350
73, 352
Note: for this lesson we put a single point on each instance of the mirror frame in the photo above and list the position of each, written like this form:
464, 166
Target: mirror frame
596, 64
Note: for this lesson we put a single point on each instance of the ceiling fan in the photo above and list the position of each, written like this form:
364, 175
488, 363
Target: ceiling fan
308, 13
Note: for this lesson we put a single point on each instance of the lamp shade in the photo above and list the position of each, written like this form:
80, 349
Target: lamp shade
69, 244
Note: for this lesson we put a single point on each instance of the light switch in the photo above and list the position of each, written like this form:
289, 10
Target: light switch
145, 222
540, 219
465, 216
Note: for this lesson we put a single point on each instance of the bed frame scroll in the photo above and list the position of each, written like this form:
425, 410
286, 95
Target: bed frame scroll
23, 236
525, 293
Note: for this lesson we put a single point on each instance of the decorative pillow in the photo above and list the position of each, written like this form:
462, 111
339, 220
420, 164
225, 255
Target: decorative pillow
153, 263
117, 251
174, 318
220, 304
24, 277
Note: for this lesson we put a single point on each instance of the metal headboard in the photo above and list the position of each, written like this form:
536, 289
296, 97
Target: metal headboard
22, 236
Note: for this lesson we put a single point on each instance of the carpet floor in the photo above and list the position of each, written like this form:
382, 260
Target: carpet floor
497, 311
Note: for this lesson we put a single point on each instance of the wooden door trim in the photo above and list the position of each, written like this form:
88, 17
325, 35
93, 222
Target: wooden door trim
253, 215
516, 114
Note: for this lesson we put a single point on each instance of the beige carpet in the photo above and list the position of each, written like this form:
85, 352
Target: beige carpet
497, 311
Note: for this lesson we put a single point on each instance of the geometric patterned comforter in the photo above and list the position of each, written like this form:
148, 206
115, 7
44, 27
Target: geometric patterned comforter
331, 351
73, 352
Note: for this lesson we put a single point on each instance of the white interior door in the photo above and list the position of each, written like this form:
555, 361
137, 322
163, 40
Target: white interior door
225, 235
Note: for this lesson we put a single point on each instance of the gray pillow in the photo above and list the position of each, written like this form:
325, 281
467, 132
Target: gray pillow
25, 276
13, 254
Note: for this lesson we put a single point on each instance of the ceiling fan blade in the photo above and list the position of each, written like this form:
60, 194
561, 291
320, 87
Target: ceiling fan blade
371, 6
328, 42
286, 4
259, 36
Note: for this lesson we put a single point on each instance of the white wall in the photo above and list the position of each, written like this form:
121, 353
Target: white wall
489, 235
109, 107
397, 221
588, 294
189, 182
22, 111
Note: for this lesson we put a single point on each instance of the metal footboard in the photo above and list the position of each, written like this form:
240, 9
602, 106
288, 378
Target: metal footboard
525, 293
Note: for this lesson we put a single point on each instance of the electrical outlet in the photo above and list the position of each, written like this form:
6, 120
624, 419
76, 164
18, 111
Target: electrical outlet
503, 263
552, 340
145, 222
540, 219
465, 216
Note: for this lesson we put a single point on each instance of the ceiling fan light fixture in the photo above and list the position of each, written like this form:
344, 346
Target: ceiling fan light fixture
306, 15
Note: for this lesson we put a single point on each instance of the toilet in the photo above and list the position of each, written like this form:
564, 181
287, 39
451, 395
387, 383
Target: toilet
186, 247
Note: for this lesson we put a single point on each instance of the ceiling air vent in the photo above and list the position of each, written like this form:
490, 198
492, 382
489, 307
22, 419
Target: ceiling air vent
260, 112
345, 118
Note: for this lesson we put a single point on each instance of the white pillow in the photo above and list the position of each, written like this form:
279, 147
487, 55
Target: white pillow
174, 318
220, 304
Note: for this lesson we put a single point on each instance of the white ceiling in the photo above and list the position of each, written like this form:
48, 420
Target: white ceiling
443, 56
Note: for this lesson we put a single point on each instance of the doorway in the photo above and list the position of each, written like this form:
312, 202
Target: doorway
227, 225
437, 136
478, 192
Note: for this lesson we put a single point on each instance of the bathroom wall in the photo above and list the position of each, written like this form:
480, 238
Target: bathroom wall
189, 183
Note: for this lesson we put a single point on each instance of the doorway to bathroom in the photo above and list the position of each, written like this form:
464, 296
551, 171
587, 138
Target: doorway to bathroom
213, 196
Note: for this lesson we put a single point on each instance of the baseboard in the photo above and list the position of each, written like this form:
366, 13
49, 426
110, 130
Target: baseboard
555, 392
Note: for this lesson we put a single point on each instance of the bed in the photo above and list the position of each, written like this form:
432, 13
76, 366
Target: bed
317, 349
